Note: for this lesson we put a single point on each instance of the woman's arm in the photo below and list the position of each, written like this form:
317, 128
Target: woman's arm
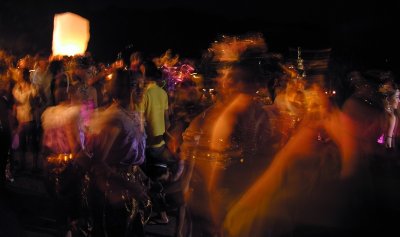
390, 131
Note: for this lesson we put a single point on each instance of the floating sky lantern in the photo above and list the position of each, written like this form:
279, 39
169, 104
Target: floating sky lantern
70, 35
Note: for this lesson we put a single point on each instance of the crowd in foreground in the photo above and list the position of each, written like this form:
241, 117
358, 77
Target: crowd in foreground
247, 155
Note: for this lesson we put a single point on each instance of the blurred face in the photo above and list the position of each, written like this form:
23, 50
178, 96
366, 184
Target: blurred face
18, 75
224, 81
42, 65
135, 63
395, 100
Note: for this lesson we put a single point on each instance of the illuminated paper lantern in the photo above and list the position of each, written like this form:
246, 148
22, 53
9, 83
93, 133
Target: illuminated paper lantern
70, 35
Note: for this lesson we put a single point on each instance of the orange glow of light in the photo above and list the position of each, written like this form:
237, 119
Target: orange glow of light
230, 48
60, 159
109, 77
70, 34
166, 60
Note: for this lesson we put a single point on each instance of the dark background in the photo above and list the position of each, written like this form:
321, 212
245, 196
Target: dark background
361, 35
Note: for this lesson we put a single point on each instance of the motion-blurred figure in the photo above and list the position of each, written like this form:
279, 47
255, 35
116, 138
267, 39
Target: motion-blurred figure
118, 195
227, 146
292, 194
25, 94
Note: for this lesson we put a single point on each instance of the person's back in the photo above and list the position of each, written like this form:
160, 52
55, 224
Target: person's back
156, 105
160, 162
154, 108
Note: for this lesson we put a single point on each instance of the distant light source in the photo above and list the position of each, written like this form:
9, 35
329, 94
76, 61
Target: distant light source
70, 35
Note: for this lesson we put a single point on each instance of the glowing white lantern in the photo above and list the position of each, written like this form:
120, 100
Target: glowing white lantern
70, 35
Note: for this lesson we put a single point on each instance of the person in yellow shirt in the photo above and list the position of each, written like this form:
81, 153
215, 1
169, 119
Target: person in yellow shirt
161, 165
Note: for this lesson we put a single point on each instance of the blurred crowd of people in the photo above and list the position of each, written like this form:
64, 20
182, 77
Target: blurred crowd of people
243, 143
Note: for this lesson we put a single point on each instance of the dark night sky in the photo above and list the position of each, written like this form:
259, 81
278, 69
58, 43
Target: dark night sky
362, 33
